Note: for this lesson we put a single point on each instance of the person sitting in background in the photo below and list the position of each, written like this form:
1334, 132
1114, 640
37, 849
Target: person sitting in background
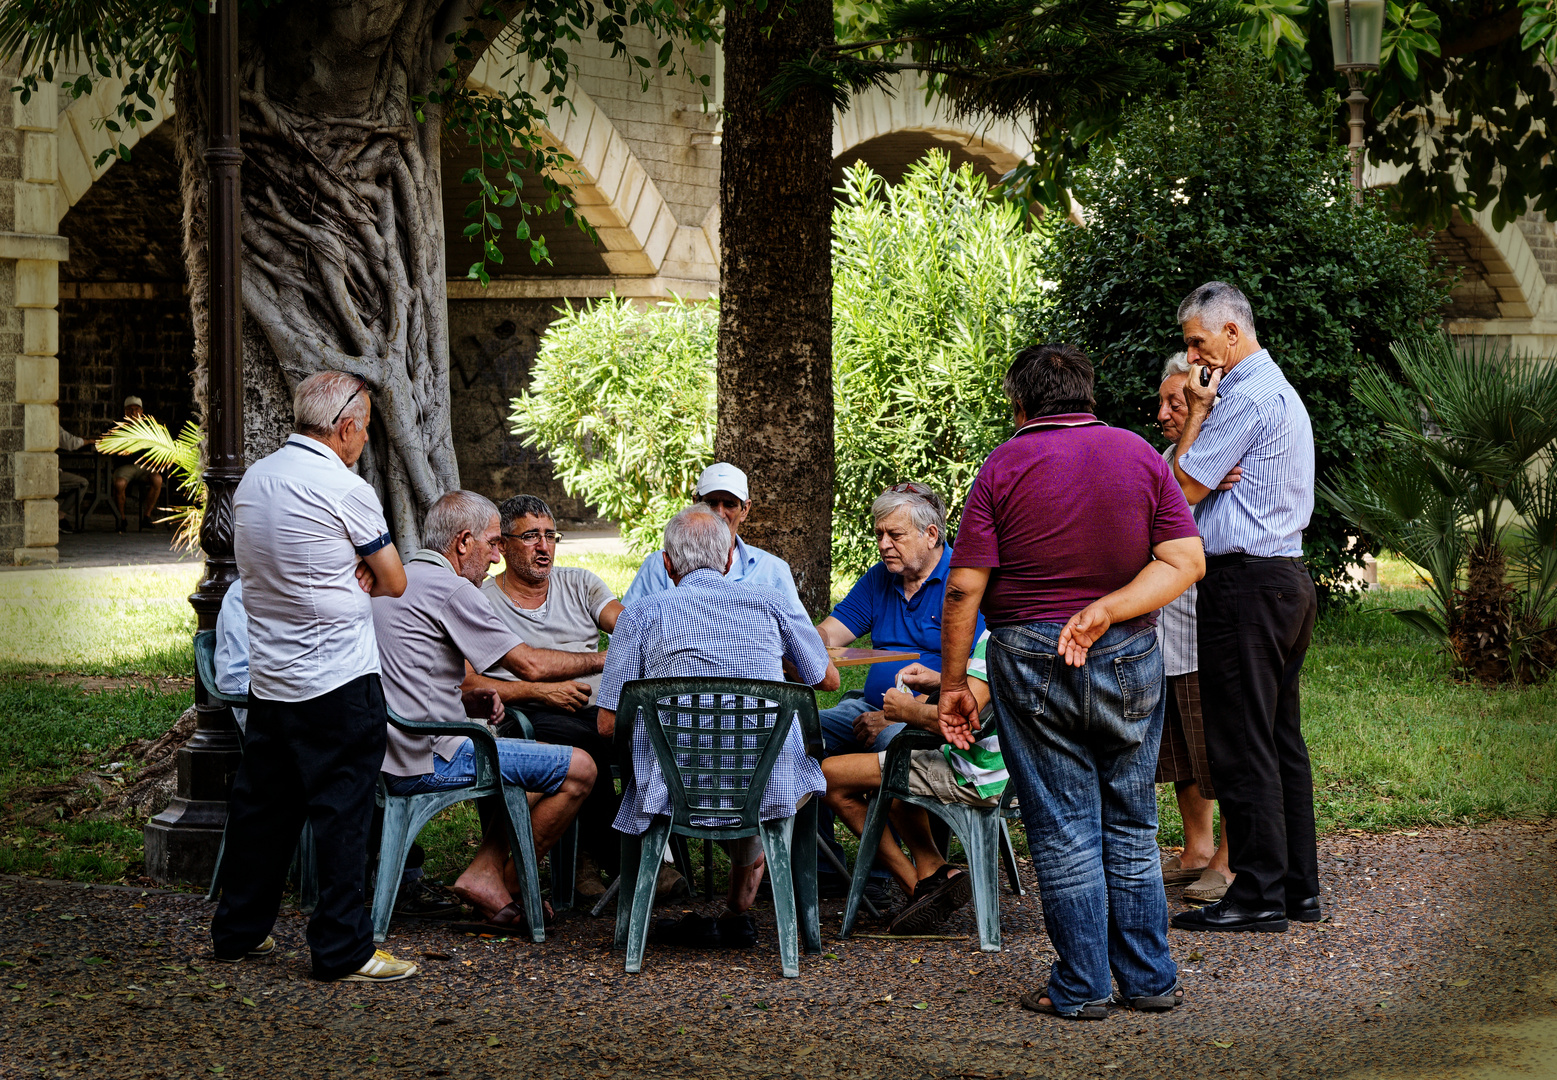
564, 608
425, 638
898, 603
933, 887
71, 483
232, 650
709, 625
136, 473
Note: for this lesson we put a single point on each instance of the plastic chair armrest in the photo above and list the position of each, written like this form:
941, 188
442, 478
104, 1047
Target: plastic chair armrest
521, 721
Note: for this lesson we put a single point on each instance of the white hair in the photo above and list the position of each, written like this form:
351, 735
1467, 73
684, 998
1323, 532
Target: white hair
923, 510
324, 399
457, 512
1215, 304
697, 539
1178, 364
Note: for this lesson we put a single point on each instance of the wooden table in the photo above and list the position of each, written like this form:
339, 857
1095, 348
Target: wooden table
851, 657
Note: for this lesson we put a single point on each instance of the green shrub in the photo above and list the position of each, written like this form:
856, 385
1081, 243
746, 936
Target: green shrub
935, 287
1238, 180
621, 400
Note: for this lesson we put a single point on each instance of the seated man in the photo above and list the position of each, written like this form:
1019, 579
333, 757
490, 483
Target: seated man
71, 483
709, 625
565, 608
232, 650
135, 473
976, 776
898, 603
425, 636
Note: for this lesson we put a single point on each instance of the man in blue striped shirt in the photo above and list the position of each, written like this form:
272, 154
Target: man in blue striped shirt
1256, 609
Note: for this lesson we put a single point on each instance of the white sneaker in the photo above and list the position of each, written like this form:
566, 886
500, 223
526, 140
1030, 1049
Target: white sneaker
381, 967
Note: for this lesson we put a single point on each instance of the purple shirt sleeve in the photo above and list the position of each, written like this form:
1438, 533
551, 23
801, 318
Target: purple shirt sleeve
977, 544
1173, 519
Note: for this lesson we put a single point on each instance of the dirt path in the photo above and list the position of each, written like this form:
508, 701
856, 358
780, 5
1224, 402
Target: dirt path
1438, 961
93, 684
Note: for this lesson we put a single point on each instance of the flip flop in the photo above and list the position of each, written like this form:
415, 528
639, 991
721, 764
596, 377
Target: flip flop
510, 922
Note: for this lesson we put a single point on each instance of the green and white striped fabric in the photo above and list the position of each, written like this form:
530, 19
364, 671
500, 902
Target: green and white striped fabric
981, 767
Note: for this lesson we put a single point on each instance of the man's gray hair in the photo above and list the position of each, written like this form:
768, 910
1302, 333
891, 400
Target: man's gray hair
1178, 364
923, 510
322, 397
697, 539
455, 513
522, 506
1215, 304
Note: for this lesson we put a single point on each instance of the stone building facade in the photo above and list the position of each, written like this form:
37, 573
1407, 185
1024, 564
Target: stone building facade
93, 301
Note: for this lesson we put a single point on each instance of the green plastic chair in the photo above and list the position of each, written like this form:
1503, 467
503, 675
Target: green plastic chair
305, 865
406, 815
980, 830
677, 712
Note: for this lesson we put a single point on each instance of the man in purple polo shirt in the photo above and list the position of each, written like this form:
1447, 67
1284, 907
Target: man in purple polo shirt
1074, 534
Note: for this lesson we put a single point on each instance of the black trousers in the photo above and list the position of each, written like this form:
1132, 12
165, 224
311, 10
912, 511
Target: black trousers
1256, 619
577, 729
317, 760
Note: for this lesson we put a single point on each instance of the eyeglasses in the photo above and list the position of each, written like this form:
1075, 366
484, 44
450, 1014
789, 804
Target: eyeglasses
362, 384
532, 537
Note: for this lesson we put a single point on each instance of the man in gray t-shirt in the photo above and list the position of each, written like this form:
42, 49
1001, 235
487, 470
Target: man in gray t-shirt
563, 608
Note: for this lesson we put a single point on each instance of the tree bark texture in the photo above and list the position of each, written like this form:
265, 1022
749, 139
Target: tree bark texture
343, 255
775, 306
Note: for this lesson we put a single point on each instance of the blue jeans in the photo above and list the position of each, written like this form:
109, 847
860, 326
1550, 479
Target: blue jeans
531, 765
1081, 746
838, 727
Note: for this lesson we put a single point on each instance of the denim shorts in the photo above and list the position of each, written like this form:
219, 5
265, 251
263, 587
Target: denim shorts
533, 766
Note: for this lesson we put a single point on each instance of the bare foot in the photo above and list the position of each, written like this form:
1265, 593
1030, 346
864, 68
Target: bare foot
743, 886
486, 894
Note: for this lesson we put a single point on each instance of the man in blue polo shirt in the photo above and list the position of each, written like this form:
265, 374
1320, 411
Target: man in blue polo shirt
722, 487
898, 603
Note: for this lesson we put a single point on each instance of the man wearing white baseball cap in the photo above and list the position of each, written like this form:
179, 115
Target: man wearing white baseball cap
723, 487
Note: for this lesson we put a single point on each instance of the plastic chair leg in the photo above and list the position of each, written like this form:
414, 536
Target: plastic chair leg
626, 885
308, 871
777, 837
803, 855
983, 855
521, 845
682, 857
870, 841
643, 894
1008, 858
564, 868
393, 846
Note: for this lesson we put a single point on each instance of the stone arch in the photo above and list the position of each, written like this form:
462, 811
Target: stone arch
1501, 277
611, 189
877, 115
82, 137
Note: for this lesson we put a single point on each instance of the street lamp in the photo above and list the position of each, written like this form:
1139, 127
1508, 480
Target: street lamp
1356, 36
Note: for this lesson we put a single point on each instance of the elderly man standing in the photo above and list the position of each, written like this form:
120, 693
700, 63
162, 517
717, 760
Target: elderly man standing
898, 603
426, 637
722, 488
1073, 536
1256, 609
1182, 760
566, 608
708, 625
311, 545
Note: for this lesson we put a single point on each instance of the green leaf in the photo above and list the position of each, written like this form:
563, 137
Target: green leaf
1425, 621
247, 1001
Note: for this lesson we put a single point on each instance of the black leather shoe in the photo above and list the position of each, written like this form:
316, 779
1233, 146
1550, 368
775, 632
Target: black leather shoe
1305, 910
1227, 916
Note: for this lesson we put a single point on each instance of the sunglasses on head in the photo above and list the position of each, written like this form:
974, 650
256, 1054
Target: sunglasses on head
362, 384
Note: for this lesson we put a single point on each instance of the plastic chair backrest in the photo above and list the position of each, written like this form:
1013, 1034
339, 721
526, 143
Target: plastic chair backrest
205, 668
716, 741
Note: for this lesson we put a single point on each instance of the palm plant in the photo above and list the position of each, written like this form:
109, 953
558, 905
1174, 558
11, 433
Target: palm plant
1466, 491
160, 451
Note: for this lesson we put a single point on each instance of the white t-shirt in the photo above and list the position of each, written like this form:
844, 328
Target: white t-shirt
301, 519
569, 620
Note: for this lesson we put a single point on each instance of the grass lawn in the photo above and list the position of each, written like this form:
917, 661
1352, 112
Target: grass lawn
1395, 743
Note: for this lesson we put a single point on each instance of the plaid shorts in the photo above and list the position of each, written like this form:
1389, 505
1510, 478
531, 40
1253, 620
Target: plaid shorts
1182, 755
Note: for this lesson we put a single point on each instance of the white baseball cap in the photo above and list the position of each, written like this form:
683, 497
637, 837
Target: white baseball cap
132, 400
722, 476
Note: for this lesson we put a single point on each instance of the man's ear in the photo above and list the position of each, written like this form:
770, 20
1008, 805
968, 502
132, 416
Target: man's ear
729, 560
670, 571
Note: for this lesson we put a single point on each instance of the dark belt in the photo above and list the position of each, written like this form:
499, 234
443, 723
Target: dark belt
1238, 558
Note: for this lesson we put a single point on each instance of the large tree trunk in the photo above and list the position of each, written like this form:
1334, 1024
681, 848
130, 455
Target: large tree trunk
343, 254
775, 304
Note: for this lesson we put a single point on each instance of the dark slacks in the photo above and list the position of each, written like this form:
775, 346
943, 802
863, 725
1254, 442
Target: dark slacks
1256, 619
317, 760
577, 729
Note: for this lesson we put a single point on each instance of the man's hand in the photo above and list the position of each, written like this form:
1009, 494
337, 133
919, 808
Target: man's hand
898, 707
918, 677
566, 696
959, 714
365, 577
1084, 628
483, 705
605, 723
1231, 478
1201, 398
869, 725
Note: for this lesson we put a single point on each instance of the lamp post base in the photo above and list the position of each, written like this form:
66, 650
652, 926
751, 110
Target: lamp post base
182, 841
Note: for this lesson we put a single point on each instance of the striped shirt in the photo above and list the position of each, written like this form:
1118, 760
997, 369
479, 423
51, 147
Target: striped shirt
711, 626
1261, 424
1176, 622
981, 767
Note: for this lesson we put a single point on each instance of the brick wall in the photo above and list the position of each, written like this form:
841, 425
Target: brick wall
10, 412
1541, 235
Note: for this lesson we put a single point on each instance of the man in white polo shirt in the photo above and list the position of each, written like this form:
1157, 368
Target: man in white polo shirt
312, 546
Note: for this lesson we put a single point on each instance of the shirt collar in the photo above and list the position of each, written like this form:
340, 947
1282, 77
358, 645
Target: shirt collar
703, 576
428, 555
314, 446
938, 574
1247, 367
743, 558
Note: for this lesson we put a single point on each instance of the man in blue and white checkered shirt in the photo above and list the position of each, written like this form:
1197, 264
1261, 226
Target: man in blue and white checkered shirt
710, 626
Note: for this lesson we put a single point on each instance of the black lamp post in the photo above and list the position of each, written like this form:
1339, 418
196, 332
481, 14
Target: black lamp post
1357, 37
182, 841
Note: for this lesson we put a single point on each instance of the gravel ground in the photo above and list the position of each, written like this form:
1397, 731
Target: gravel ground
1438, 960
